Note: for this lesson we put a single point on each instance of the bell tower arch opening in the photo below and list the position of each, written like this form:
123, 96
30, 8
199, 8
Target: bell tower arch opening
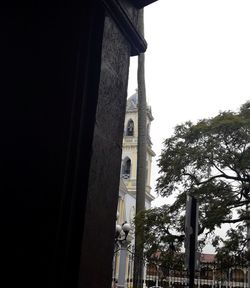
126, 168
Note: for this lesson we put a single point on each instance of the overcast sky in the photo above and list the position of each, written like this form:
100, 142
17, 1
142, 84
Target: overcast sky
197, 63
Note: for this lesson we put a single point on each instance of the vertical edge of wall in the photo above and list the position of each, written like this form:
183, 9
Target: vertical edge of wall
103, 189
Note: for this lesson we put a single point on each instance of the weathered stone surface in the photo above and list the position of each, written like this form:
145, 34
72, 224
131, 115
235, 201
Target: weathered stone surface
106, 158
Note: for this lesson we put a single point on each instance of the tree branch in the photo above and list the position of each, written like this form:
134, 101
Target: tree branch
223, 175
234, 220
179, 237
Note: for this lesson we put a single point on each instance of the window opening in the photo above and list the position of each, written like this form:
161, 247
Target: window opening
130, 128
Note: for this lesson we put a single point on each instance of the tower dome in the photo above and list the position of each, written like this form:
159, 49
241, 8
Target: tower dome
132, 105
132, 102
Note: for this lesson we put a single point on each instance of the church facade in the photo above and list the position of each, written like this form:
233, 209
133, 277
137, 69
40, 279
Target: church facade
127, 190
129, 161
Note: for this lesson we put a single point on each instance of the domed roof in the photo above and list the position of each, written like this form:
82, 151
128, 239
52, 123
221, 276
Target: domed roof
132, 105
132, 102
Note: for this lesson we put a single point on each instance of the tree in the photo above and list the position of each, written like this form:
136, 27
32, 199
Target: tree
234, 251
209, 160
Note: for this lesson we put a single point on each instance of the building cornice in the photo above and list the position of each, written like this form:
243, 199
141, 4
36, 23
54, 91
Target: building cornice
142, 3
149, 197
150, 151
149, 113
126, 26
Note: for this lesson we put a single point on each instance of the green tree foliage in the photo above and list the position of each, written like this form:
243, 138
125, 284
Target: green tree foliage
209, 160
234, 251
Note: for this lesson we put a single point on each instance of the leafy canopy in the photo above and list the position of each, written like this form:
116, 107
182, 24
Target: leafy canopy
211, 161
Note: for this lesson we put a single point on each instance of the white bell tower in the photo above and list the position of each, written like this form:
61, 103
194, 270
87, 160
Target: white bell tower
129, 150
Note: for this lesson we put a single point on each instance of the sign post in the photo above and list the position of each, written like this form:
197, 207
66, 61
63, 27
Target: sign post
191, 236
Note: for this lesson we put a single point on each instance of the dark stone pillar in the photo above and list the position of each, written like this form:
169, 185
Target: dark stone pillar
99, 226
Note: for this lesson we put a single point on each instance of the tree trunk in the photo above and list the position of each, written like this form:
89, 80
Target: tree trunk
141, 162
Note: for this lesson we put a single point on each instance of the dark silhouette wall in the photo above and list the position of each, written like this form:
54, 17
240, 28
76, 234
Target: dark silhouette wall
63, 98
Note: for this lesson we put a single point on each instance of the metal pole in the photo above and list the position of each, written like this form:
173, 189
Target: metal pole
213, 278
191, 237
245, 278
122, 266
157, 276
248, 248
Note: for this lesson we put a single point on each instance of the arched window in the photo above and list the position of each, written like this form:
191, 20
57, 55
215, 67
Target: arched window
126, 168
130, 128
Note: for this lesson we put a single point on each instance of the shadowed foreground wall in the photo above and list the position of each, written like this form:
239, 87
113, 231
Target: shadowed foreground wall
106, 159
62, 111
